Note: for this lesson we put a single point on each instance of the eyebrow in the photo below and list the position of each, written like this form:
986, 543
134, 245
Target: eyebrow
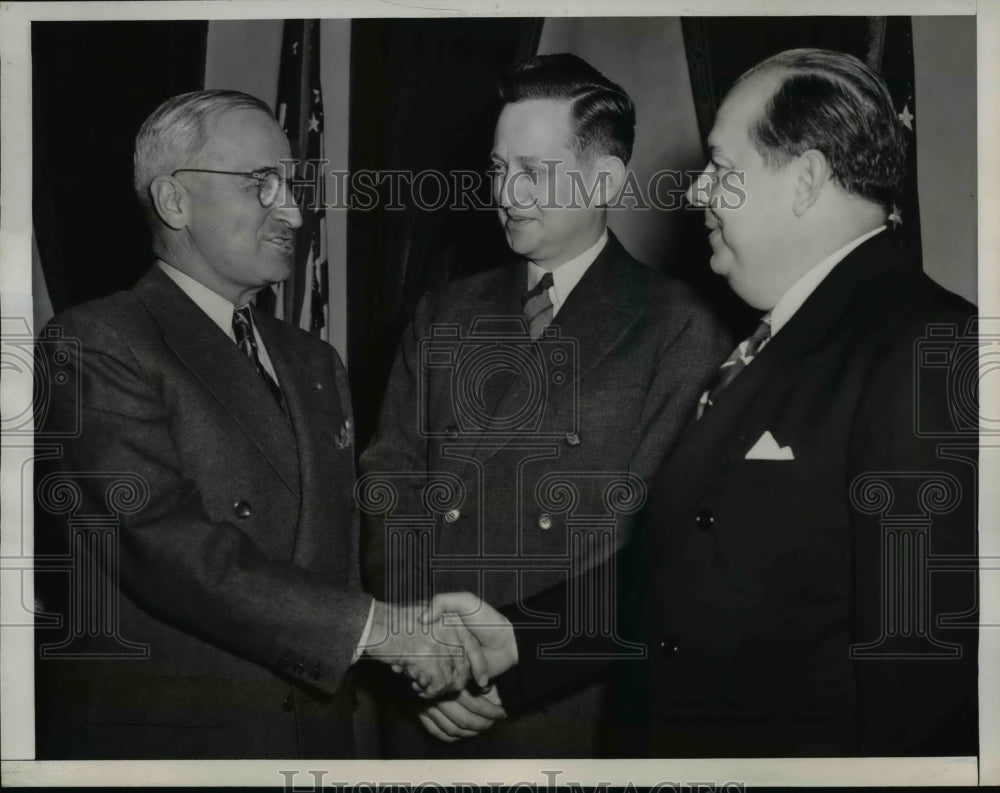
521, 159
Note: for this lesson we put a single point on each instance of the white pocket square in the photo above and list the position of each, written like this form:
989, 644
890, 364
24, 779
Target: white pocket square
767, 448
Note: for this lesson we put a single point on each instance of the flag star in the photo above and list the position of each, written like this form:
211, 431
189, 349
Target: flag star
906, 117
313, 124
896, 216
315, 94
295, 48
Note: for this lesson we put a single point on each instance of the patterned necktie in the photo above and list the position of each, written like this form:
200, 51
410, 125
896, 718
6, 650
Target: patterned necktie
537, 307
736, 363
243, 330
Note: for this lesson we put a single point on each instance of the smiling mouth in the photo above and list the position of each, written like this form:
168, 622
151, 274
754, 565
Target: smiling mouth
287, 243
517, 220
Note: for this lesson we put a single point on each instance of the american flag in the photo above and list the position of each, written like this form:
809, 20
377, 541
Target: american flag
303, 298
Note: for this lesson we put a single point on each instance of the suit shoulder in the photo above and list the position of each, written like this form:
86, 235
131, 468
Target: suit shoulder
469, 285
121, 312
666, 295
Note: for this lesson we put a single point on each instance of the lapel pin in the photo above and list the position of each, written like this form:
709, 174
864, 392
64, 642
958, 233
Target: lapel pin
346, 435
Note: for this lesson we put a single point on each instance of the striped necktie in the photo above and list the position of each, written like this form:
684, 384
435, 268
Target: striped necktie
736, 363
243, 330
537, 307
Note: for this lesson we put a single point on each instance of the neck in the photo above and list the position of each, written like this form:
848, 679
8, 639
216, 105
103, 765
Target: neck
584, 242
182, 257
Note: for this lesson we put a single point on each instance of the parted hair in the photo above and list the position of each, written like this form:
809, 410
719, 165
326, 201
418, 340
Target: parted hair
832, 102
603, 113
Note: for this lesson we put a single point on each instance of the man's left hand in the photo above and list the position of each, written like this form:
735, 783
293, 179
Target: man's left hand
464, 716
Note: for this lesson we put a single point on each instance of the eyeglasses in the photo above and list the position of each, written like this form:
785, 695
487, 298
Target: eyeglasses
269, 183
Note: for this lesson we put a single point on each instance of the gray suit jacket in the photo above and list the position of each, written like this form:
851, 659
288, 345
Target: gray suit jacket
514, 465
235, 555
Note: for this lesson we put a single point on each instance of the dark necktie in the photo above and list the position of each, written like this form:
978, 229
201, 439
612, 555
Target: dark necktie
537, 307
736, 363
243, 330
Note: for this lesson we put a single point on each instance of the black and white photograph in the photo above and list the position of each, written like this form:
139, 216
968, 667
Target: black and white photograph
519, 394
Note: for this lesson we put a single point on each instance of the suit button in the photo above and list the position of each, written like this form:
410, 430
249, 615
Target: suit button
669, 646
283, 663
544, 522
704, 519
288, 703
452, 515
572, 439
242, 509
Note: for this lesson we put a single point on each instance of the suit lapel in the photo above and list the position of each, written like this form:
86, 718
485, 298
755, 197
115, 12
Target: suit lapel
316, 416
597, 313
495, 314
223, 370
606, 302
739, 418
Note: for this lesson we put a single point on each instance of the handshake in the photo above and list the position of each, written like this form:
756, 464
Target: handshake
447, 646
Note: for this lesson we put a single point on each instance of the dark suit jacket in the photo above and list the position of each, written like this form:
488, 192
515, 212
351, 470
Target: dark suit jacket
521, 506
235, 553
787, 604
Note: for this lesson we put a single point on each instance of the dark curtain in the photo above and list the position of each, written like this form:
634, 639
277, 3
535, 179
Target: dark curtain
93, 85
422, 100
720, 49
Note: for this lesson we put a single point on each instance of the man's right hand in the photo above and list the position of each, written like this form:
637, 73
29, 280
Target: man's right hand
491, 629
439, 658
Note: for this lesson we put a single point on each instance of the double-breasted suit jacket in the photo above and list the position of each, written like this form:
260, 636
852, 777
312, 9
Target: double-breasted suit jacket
236, 557
788, 572
526, 460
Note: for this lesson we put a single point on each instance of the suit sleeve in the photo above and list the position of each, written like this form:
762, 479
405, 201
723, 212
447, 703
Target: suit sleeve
915, 674
541, 676
399, 453
204, 577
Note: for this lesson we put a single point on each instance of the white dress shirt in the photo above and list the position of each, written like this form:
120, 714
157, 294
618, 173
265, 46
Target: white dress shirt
218, 309
568, 274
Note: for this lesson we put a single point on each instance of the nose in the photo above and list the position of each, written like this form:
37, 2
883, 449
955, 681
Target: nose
699, 193
502, 189
514, 190
286, 209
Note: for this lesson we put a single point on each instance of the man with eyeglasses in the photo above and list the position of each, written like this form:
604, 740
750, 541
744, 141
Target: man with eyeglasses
229, 589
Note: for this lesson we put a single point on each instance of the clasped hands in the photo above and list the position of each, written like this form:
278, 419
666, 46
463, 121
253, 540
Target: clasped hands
446, 646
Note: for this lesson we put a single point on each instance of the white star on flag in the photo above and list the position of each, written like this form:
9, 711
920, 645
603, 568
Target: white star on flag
313, 124
896, 217
906, 117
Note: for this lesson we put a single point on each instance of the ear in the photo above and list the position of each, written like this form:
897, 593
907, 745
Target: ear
812, 172
170, 200
609, 173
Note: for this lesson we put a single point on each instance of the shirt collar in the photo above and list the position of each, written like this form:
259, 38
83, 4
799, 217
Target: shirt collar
219, 310
568, 274
799, 292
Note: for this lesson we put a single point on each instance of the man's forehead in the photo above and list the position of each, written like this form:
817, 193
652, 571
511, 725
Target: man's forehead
741, 107
246, 137
533, 130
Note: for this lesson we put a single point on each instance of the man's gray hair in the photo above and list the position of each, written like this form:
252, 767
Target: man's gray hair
177, 130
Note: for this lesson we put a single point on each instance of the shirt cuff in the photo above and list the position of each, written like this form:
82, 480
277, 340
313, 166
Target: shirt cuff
363, 641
